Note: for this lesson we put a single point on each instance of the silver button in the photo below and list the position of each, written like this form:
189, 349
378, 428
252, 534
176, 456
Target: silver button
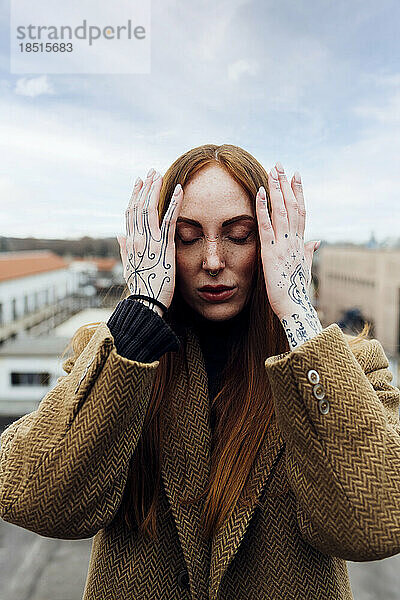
318, 391
323, 406
313, 376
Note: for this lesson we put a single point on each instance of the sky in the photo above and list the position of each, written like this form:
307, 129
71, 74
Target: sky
314, 84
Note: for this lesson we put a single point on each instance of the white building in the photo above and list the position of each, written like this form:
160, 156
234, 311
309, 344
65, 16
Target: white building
41, 300
30, 366
38, 289
31, 280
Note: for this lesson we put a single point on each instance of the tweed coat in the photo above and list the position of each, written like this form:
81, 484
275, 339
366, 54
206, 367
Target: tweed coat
327, 482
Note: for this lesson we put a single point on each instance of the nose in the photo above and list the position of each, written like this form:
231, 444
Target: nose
213, 254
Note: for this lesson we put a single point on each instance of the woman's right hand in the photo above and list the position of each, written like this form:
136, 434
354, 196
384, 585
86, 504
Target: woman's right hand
148, 252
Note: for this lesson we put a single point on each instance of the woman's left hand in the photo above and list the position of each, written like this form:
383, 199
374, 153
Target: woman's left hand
286, 259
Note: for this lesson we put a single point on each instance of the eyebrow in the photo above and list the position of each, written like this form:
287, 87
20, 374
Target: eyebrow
224, 224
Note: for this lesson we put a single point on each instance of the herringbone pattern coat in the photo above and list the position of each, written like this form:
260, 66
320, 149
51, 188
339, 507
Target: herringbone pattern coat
328, 485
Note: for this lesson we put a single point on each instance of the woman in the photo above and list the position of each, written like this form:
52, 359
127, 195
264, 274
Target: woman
217, 445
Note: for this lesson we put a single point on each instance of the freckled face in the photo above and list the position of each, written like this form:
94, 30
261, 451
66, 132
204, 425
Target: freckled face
211, 198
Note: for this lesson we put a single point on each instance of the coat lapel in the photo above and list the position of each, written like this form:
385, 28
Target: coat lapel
186, 461
227, 541
186, 469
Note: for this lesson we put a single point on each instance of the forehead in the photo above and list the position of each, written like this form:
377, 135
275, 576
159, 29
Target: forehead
213, 195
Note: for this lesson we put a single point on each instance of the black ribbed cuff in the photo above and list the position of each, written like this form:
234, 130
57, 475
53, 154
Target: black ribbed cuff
140, 333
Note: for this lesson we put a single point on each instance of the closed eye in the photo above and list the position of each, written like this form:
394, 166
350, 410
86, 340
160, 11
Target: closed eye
235, 240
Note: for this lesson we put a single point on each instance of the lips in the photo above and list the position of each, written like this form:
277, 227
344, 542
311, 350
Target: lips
219, 293
215, 288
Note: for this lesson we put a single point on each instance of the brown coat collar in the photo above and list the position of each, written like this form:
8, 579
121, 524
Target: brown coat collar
186, 467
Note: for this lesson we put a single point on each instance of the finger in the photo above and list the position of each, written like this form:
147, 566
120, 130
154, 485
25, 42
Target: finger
129, 213
122, 248
297, 188
265, 225
151, 217
309, 249
289, 199
171, 216
143, 201
121, 241
279, 214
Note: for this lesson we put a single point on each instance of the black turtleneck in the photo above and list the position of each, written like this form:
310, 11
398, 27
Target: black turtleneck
216, 338
141, 334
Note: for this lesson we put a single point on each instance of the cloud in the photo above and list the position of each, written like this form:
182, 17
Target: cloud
279, 80
35, 86
217, 26
241, 67
386, 108
65, 175
390, 113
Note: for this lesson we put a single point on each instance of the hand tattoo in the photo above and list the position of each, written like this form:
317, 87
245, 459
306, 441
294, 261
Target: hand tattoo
147, 260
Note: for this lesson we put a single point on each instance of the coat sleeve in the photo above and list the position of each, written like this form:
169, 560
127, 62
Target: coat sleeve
64, 466
339, 417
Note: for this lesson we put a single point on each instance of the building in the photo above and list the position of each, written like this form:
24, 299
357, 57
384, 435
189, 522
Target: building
44, 299
34, 290
39, 289
366, 280
30, 366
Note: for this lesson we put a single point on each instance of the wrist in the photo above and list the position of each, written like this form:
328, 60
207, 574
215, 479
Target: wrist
300, 326
151, 305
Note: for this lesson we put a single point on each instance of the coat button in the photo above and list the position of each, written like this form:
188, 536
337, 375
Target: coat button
313, 376
183, 580
323, 406
318, 391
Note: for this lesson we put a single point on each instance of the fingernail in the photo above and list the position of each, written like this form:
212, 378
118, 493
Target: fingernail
137, 181
178, 188
297, 177
156, 175
280, 167
273, 173
262, 192
151, 171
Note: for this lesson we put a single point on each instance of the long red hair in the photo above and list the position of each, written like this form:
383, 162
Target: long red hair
243, 409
